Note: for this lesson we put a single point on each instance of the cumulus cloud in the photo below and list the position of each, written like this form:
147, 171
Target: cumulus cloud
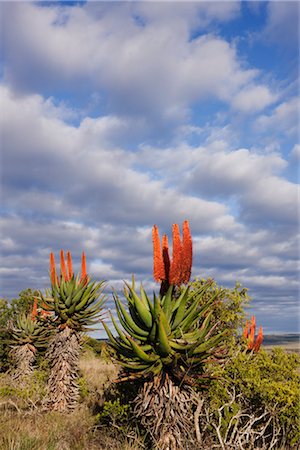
103, 137
251, 177
161, 82
295, 153
253, 98
282, 23
283, 118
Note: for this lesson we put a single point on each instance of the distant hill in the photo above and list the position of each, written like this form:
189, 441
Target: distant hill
290, 342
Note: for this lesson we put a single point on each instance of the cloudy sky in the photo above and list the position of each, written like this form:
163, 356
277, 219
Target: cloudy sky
120, 115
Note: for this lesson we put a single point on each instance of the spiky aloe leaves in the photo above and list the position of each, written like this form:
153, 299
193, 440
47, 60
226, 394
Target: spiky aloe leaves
165, 333
76, 304
27, 330
76, 301
27, 335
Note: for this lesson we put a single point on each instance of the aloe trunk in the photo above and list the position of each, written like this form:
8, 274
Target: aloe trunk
63, 354
24, 358
166, 409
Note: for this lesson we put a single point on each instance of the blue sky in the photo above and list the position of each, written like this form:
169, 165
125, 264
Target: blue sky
119, 115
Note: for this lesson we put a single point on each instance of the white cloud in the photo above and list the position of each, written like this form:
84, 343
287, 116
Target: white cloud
161, 82
295, 152
282, 22
75, 171
100, 185
283, 118
253, 98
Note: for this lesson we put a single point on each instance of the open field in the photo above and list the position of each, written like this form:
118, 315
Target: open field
23, 426
289, 342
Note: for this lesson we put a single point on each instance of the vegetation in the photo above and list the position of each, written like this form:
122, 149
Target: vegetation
76, 303
169, 341
27, 335
182, 374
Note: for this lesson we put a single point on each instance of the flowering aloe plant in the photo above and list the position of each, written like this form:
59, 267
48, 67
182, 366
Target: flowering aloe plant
170, 338
75, 303
249, 334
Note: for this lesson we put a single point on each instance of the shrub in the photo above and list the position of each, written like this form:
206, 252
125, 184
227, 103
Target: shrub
255, 402
96, 346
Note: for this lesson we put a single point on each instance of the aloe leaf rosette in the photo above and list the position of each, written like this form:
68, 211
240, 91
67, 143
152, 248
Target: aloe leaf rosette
164, 334
27, 334
75, 301
25, 330
169, 333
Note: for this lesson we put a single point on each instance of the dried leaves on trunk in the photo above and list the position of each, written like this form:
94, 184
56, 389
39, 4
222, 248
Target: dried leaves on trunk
63, 354
24, 358
166, 411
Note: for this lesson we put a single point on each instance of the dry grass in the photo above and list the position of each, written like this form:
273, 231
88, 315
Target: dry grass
99, 373
24, 427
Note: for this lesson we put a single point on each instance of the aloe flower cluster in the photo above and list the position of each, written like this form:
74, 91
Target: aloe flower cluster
66, 269
175, 271
249, 335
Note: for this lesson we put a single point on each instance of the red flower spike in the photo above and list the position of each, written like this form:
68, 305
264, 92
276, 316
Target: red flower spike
83, 269
63, 271
246, 330
69, 263
252, 333
176, 265
259, 340
158, 263
187, 252
34, 309
53, 275
165, 255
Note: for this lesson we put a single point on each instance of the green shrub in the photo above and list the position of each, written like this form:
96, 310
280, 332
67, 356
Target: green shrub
114, 412
254, 385
96, 346
83, 387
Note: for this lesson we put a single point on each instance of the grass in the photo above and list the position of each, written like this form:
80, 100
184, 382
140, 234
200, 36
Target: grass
24, 427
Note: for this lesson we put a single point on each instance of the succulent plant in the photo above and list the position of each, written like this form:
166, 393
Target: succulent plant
75, 303
27, 335
168, 339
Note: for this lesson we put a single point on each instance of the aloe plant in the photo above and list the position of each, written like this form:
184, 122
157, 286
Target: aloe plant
28, 334
167, 339
252, 344
75, 303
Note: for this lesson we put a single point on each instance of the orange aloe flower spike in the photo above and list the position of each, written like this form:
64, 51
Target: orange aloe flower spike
252, 333
34, 309
259, 340
158, 263
176, 265
63, 271
69, 263
246, 330
83, 269
165, 255
53, 276
187, 252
